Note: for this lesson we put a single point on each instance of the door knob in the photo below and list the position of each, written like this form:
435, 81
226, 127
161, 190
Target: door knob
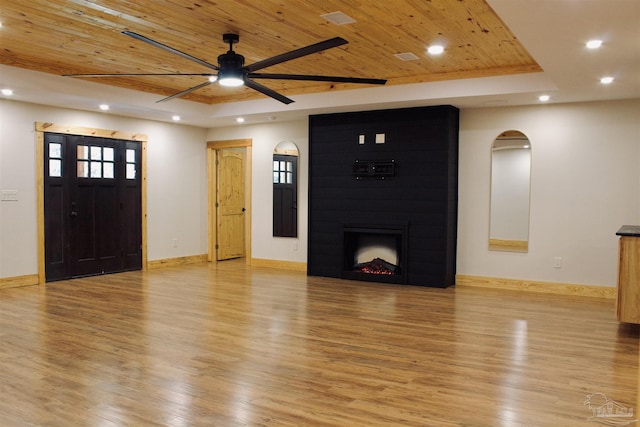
74, 213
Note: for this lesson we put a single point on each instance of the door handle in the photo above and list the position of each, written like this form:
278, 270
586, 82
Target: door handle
243, 209
74, 213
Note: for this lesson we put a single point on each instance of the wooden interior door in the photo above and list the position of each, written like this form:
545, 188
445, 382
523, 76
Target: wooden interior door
92, 209
230, 204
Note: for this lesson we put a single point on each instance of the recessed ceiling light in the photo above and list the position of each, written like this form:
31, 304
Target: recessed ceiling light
175, 118
104, 107
240, 120
594, 44
7, 92
544, 98
606, 80
212, 79
435, 49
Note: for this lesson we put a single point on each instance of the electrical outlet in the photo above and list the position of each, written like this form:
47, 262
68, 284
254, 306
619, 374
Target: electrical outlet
557, 262
174, 242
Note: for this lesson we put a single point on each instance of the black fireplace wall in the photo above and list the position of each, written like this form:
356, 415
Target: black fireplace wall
419, 191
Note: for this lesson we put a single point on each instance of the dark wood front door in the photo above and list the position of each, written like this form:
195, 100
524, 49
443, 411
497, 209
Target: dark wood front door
92, 207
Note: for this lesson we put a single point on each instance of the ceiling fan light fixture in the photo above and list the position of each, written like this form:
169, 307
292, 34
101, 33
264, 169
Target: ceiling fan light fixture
230, 81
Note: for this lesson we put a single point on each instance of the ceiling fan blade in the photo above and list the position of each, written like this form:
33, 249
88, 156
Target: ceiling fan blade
139, 74
169, 49
335, 79
269, 92
303, 51
184, 92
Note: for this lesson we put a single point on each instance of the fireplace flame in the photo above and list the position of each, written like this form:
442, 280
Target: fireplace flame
376, 266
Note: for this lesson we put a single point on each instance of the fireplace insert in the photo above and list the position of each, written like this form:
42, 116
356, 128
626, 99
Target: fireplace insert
375, 253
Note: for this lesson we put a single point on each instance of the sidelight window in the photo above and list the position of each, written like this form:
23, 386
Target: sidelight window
131, 164
55, 159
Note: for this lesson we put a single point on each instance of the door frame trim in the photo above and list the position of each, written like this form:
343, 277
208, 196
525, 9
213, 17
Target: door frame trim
41, 128
212, 147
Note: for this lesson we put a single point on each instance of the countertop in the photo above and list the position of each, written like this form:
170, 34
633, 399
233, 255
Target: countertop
629, 230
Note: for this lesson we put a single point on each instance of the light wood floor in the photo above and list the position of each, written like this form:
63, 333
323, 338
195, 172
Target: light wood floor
227, 345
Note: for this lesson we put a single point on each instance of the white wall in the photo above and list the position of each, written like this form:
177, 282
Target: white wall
264, 138
176, 182
585, 184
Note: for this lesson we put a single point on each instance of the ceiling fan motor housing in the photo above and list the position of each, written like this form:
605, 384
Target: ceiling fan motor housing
230, 61
230, 65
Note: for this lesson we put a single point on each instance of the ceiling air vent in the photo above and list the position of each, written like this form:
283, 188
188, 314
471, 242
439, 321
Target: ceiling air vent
338, 18
406, 56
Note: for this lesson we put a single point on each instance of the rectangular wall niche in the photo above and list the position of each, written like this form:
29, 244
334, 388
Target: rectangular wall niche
402, 193
375, 254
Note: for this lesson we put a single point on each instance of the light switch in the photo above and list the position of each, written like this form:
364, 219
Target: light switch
361, 139
379, 138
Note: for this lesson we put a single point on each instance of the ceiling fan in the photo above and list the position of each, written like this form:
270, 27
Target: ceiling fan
231, 70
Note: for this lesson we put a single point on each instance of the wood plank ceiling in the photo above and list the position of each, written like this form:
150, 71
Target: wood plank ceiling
81, 36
